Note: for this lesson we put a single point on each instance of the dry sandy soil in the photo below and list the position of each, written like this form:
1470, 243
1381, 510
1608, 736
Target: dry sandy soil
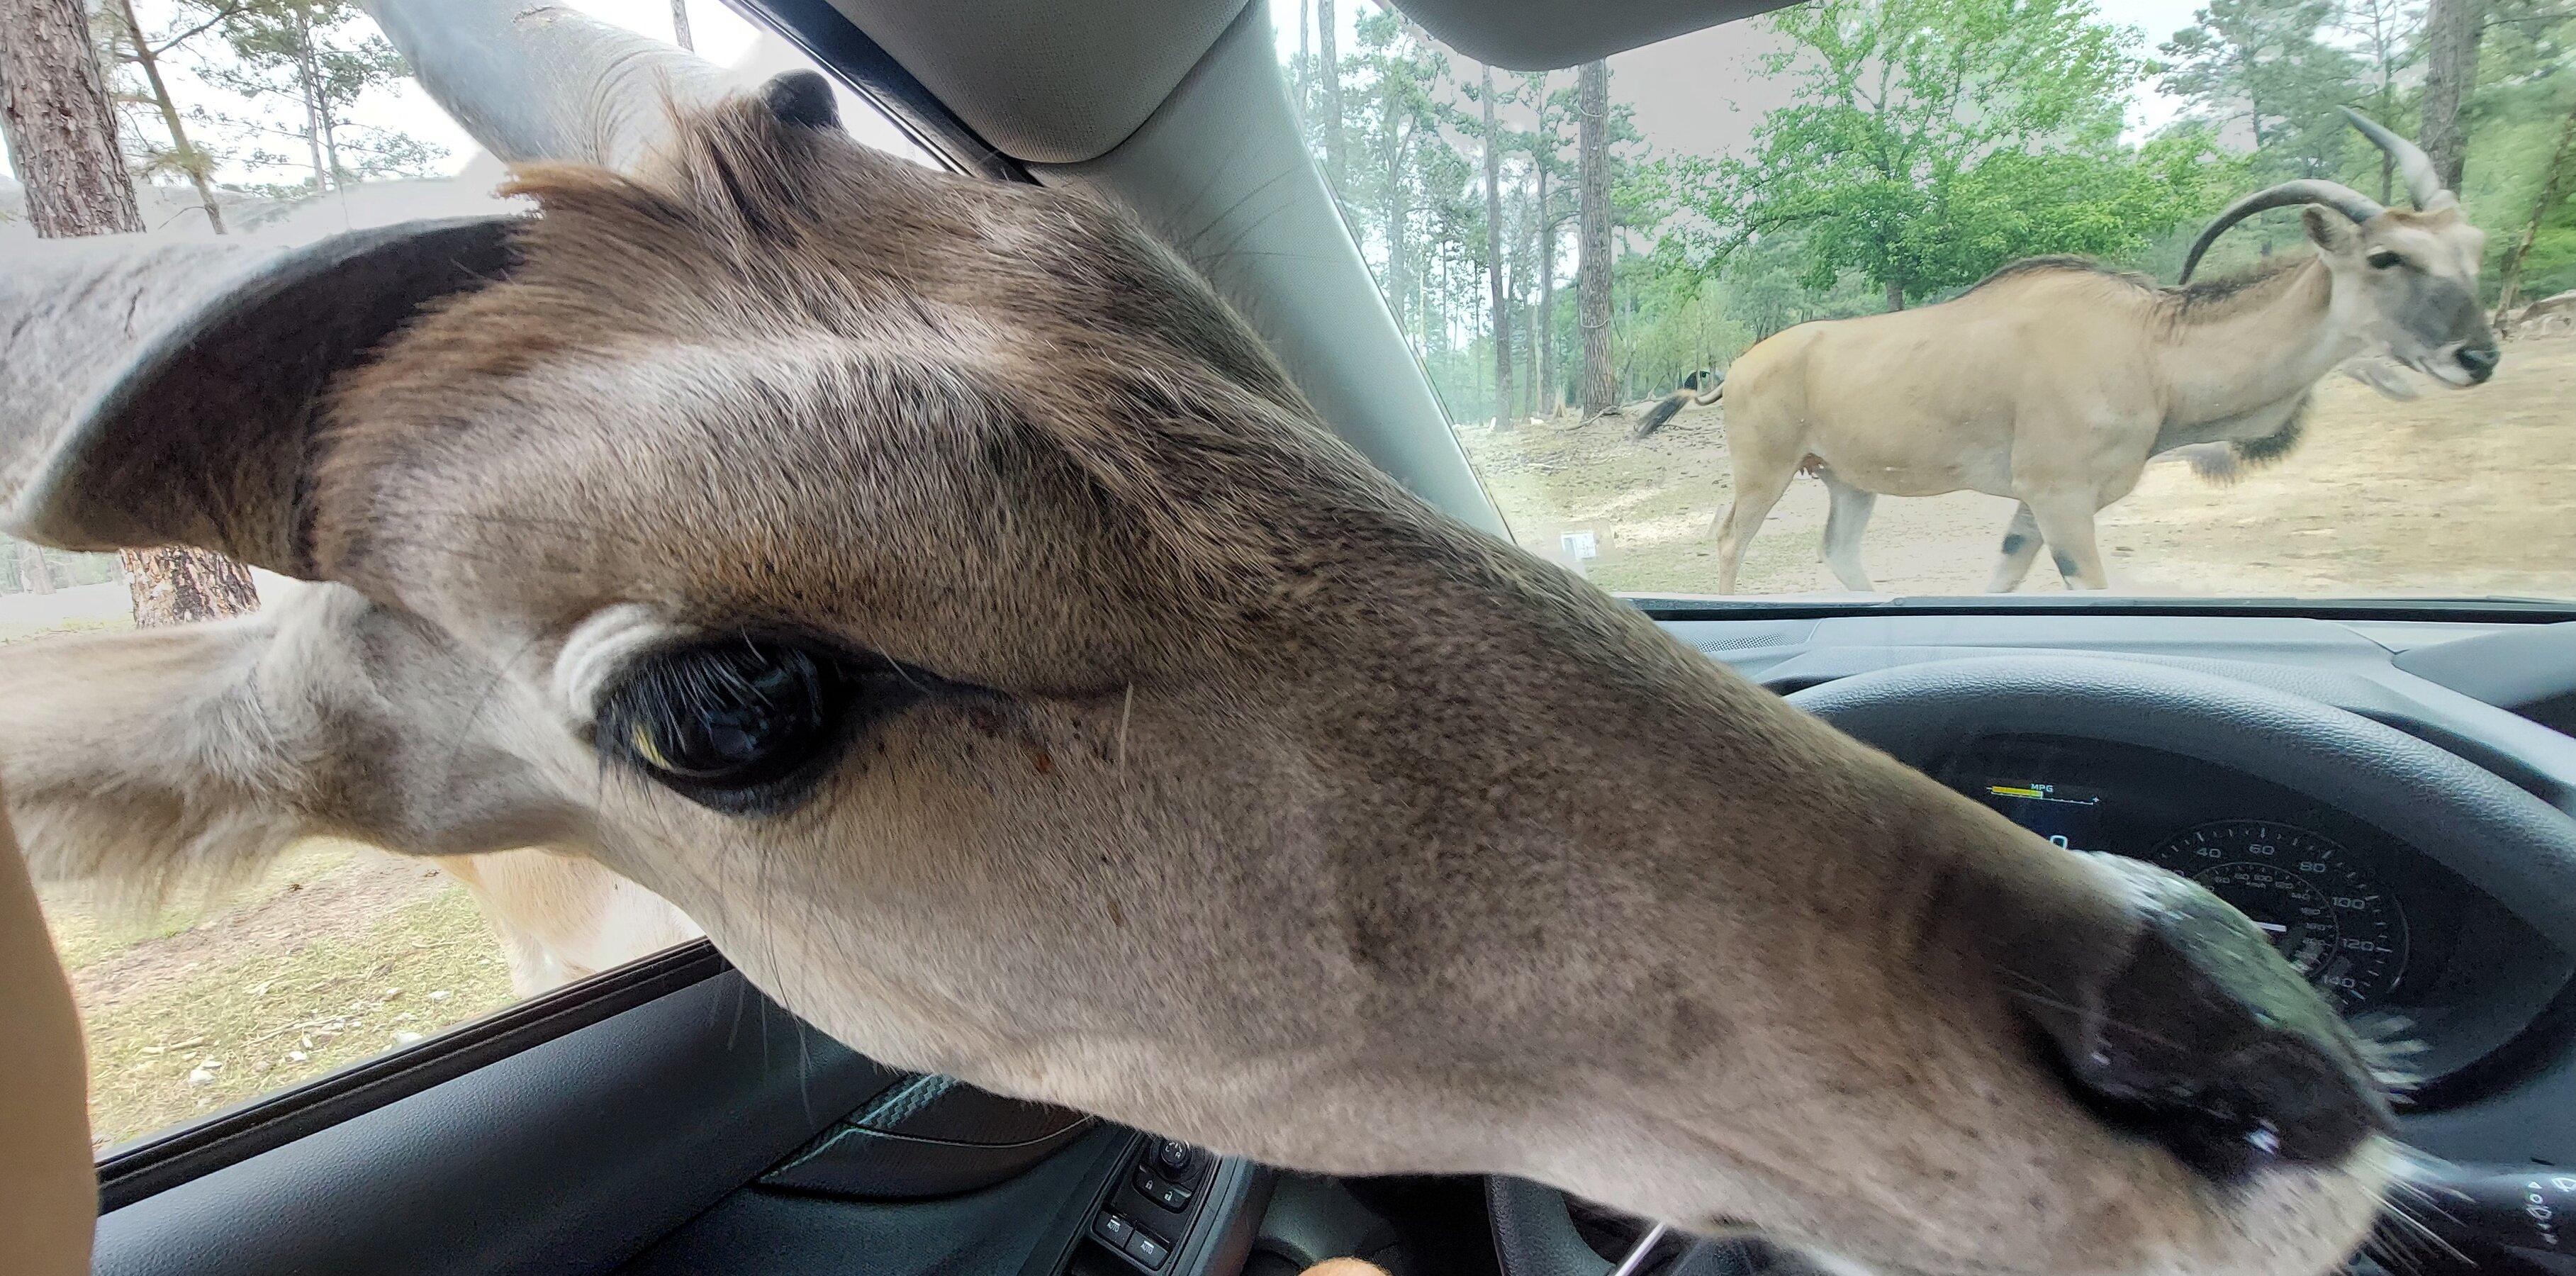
338, 952
2458, 492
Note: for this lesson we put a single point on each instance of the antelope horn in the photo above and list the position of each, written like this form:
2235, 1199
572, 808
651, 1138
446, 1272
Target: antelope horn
2335, 195
537, 81
2423, 185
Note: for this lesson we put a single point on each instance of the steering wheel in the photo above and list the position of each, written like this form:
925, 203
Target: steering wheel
2502, 840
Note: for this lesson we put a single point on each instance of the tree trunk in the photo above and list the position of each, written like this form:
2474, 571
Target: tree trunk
1306, 51
1592, 283
2553, 187
1494, 261
1527, 316
324, 123
190, 162
680, 26
1541, 333
33, 573
2452, 29
62, 132
1329, 72
1543, 367
170, 585
312, 116
1399, 212
1895, 295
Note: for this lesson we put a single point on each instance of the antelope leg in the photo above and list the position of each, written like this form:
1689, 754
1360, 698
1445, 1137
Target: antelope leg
2021, 549
1843, 526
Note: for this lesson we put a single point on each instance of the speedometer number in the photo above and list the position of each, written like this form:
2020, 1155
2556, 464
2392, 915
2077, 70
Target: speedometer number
2325, 913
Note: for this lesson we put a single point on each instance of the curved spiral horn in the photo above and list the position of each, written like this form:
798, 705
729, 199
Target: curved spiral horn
2335, 195
2423, 185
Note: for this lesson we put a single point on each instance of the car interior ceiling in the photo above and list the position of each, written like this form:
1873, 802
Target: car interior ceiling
667, 1117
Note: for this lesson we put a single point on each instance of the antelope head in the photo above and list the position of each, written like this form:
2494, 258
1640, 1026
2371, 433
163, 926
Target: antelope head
934, 589
2405, 279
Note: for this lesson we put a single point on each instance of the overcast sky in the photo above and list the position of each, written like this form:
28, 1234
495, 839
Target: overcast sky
1697, 94
1702, 93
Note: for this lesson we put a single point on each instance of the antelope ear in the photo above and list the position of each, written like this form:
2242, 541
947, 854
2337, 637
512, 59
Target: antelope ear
167, 394
2329, 230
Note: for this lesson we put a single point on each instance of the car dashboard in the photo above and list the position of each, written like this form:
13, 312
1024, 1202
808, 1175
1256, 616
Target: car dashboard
2471, 1004
2432, 968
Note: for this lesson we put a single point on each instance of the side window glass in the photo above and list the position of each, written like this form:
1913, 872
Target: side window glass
290, 120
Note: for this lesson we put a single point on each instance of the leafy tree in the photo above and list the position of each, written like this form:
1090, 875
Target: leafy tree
1917, 119
1598, 389
2384, 36
1393, 90
2515, 124
2452, 32
128, 43
2553, 193
1490, 139
2259, 65
1551, 208
323, 56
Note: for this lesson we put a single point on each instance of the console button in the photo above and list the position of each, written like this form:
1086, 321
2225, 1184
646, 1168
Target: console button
1170, 1196
1172, 1157
1145, 1249
1114, 1230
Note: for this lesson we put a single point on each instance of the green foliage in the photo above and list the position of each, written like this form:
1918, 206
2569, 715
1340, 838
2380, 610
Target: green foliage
1931, 141
68, 569
1925, 143
324, 55
2261, 65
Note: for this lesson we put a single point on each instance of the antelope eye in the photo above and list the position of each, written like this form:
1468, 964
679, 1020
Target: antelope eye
2383, 258
731, 725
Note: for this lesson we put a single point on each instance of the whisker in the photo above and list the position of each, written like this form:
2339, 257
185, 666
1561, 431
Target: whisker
903, 673
2031, 990
1125, 712
2417, 1225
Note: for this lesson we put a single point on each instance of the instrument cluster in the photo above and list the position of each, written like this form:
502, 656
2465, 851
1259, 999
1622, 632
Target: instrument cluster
2400, 943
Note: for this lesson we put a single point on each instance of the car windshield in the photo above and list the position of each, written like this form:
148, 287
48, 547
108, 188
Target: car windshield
1880, 295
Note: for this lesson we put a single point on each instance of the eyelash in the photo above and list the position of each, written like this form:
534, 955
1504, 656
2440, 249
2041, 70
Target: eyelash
719, 699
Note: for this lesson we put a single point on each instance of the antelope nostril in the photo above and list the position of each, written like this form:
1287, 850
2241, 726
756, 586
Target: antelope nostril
2479, 361
2204, 1041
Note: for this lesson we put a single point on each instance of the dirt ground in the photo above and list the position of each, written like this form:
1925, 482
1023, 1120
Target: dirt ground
2456, 493
337, 953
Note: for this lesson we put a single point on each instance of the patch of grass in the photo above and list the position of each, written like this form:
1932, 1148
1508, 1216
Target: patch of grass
84, 934
229, 1031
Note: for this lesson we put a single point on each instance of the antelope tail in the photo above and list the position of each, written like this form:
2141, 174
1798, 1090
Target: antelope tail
1700, 388
1662, 412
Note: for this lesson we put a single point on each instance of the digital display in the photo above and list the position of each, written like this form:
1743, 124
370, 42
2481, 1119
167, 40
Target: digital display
2066, 814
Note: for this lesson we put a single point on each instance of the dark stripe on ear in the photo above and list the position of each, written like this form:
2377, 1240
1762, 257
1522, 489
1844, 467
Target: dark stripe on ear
194, 426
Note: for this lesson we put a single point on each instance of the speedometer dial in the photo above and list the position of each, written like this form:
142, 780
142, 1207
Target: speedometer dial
2328, 915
